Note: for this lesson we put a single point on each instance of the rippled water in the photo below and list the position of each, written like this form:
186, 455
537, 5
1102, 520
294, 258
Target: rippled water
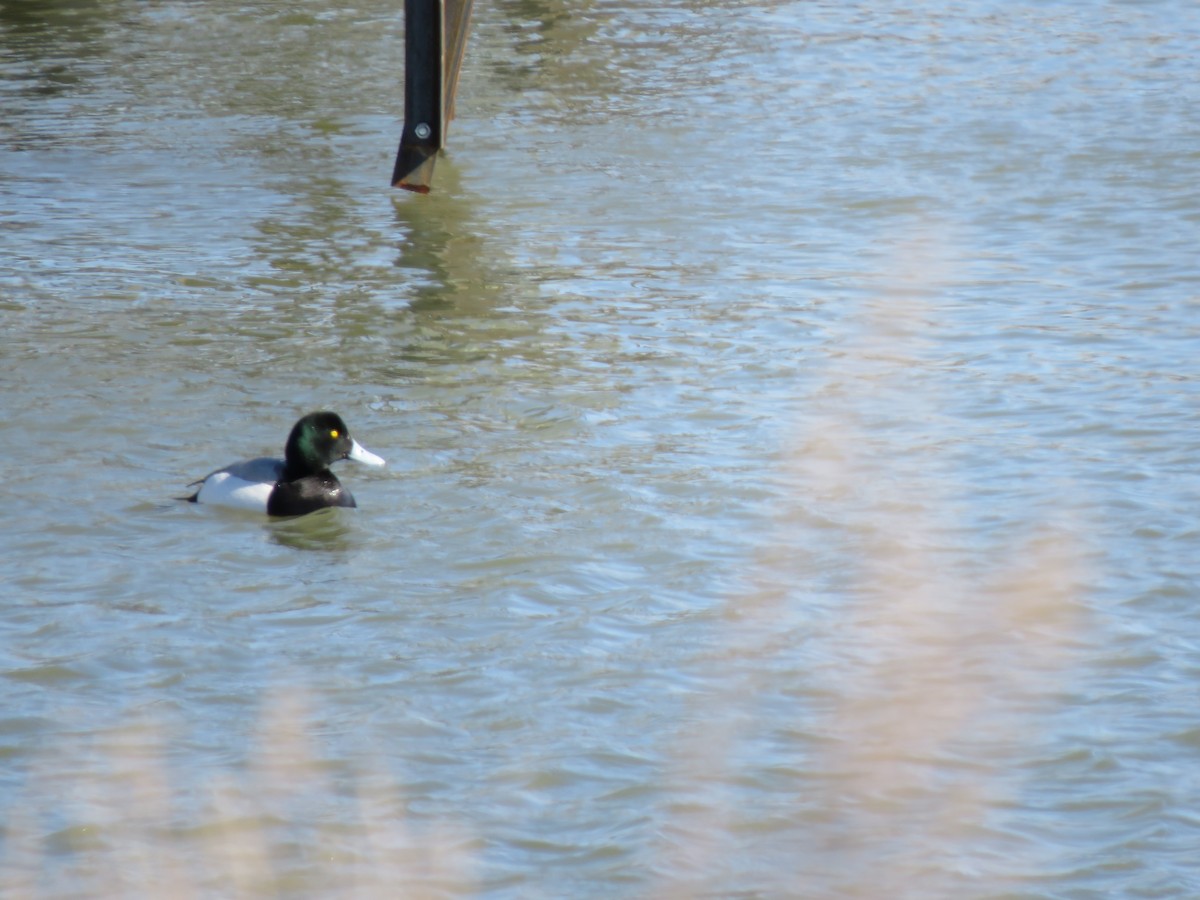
791, 411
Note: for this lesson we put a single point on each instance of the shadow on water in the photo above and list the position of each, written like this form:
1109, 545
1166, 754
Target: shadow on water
451, 269
51, 50
72, 20
549, 41
325, 530
385, 289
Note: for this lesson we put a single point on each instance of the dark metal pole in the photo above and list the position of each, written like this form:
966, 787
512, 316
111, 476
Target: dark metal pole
422, 135
435, 36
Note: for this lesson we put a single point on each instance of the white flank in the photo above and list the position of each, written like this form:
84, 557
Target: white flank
224, 489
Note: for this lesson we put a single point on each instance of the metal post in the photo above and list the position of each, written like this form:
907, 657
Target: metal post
435, 36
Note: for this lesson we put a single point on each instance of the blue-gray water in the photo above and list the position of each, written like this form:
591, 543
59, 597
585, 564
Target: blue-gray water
791, 416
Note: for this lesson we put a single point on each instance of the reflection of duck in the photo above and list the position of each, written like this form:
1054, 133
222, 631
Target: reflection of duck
296, 485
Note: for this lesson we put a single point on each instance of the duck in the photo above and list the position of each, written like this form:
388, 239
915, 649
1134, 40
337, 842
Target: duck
299, 483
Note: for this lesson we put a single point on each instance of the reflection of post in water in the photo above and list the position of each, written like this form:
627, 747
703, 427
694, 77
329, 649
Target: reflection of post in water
435, 35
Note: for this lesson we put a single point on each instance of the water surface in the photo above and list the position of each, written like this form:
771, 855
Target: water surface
791, 421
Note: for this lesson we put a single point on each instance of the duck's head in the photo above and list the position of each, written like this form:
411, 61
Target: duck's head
320, 439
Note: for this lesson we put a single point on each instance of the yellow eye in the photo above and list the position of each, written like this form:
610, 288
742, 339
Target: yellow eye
333, 433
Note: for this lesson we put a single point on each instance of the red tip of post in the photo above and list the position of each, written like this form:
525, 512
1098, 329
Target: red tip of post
415, 188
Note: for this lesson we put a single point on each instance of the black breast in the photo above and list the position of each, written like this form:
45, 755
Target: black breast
307, 494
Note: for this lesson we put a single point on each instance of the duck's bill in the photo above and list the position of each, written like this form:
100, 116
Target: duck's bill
361, 454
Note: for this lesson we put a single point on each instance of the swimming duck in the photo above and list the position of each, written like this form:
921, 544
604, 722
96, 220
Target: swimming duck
298, 484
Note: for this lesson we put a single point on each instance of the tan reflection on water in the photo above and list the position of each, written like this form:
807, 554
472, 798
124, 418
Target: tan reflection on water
926, 682
294, 821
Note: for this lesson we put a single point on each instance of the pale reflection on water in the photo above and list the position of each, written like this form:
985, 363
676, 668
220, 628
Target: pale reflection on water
790, 415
